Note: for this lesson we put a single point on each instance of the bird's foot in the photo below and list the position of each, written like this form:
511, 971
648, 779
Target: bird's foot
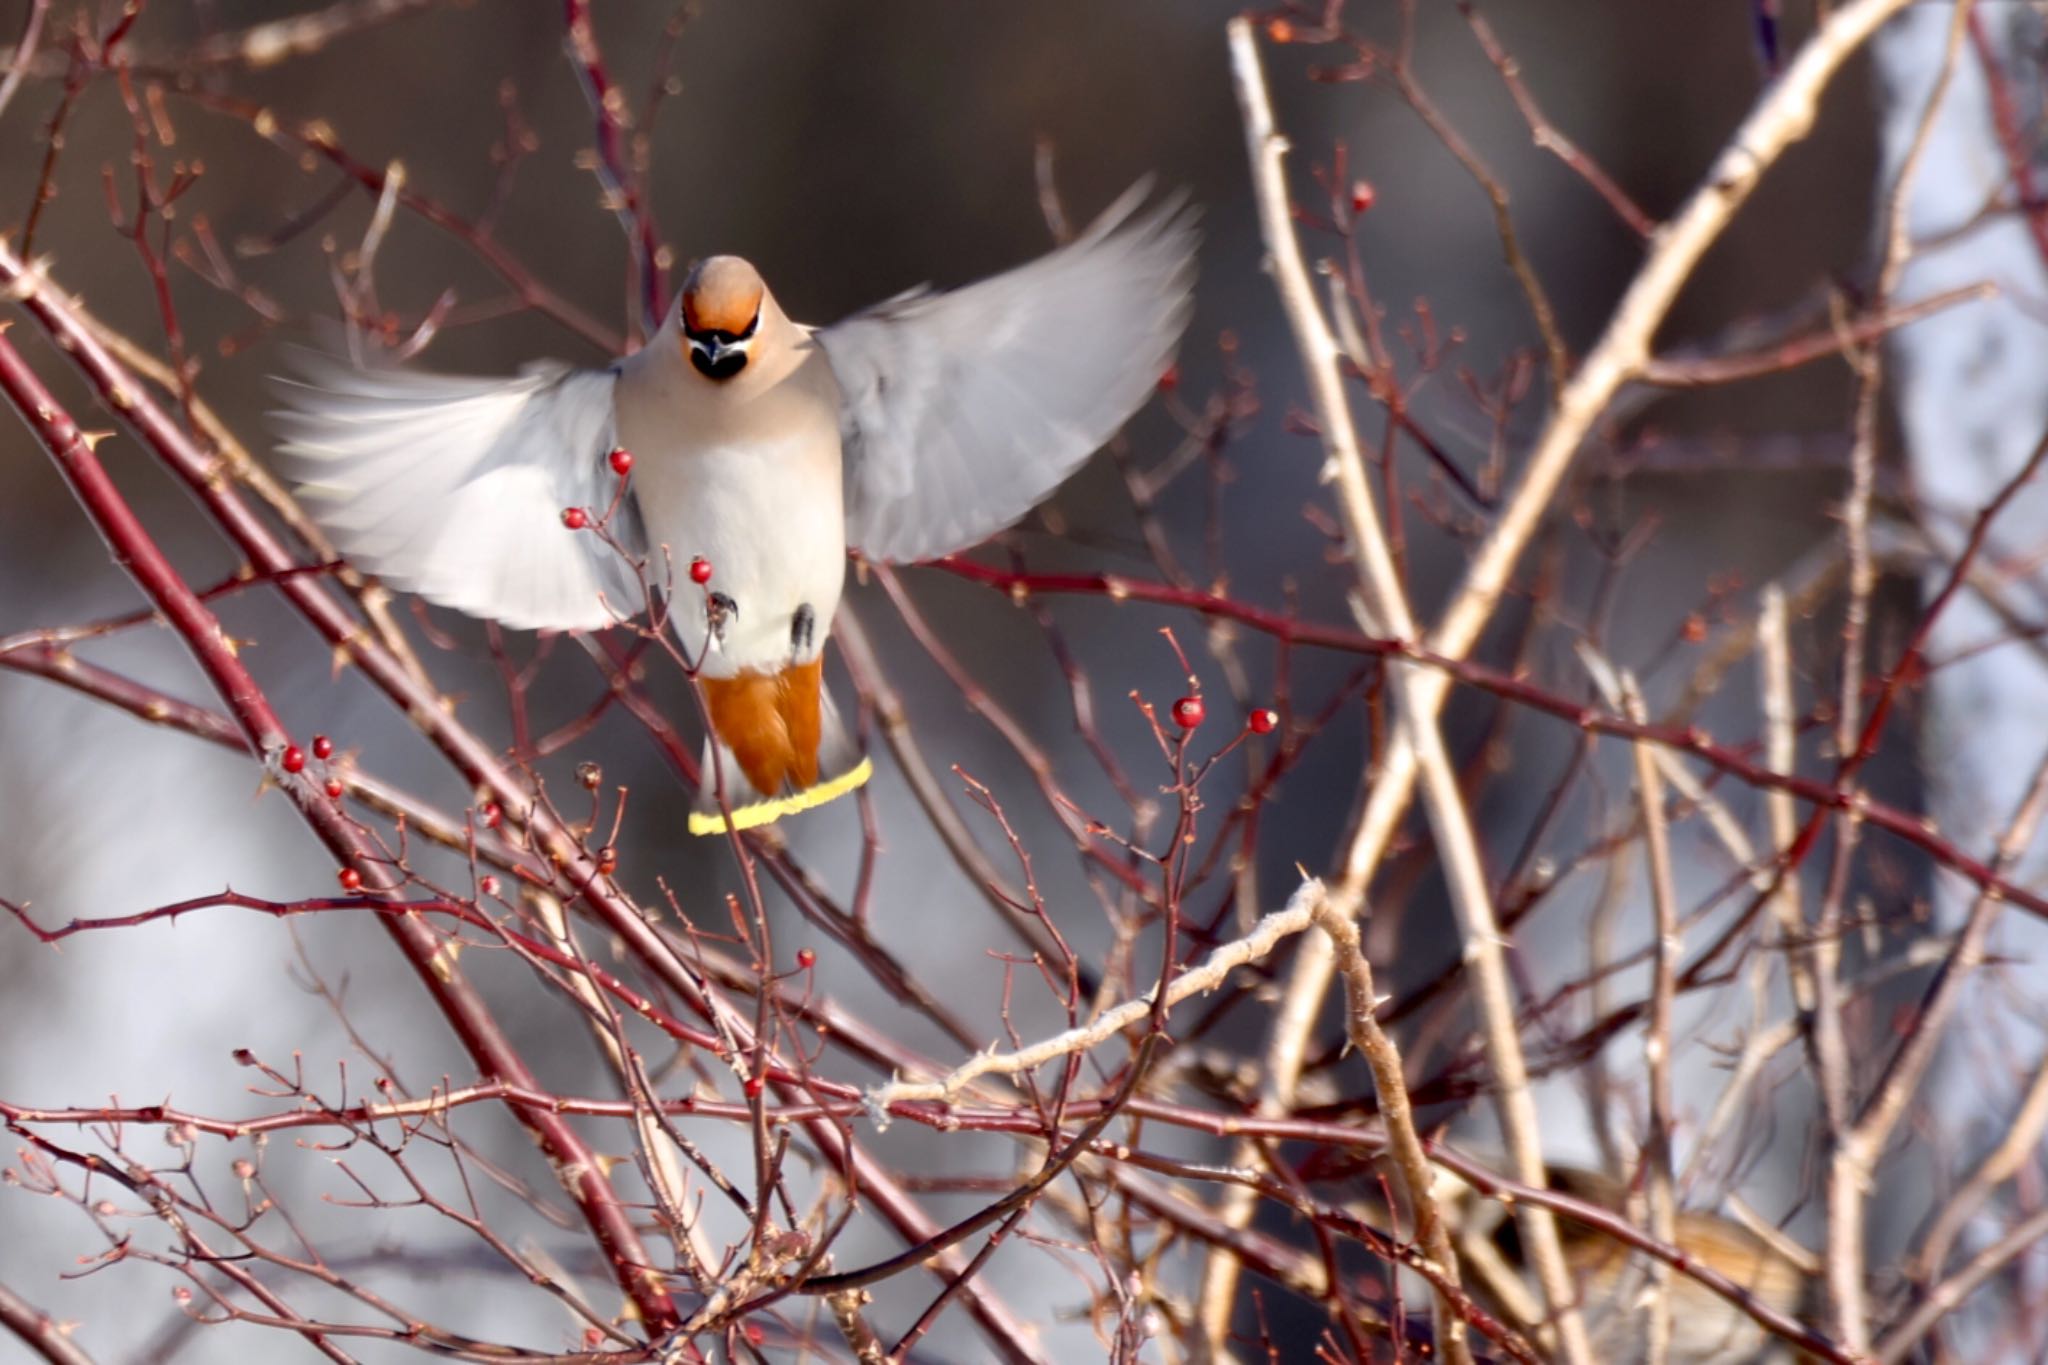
720, 611
803, 627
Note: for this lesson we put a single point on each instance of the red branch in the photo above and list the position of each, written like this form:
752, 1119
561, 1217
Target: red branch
621, 180
1913, 829
134, 550
38, 1330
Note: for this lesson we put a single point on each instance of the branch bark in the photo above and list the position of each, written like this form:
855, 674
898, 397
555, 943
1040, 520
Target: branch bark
136, 552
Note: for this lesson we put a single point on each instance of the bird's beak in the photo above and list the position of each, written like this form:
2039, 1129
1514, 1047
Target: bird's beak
718, 355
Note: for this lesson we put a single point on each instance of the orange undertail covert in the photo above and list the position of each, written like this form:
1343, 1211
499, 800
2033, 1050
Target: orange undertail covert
772, 725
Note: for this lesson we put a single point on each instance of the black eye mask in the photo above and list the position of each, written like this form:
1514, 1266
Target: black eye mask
716, 337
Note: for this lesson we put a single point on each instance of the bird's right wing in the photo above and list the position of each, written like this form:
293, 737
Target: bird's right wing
454, 488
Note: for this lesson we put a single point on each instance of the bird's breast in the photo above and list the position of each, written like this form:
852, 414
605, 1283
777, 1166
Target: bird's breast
766, 515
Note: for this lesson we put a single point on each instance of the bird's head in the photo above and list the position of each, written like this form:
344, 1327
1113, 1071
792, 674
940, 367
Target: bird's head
720, 312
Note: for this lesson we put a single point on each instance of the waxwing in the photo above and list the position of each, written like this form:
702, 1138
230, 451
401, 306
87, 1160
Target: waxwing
759, 445
1706, 1328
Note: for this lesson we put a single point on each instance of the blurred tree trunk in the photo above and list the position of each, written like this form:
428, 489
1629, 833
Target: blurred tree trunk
1970, 390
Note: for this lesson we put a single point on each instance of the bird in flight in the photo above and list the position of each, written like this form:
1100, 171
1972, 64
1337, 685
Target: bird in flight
759, 450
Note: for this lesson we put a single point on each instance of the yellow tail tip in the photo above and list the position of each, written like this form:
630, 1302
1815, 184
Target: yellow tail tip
769, 811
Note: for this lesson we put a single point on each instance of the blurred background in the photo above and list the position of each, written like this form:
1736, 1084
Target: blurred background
854, 150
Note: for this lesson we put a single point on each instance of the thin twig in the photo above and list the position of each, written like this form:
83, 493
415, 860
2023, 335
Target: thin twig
1783, 115
1855, 1157
1657, 1038
200, 631
1944, 1298
1411, 1161
1290, 919
38, 1331
1379, 579
24, 53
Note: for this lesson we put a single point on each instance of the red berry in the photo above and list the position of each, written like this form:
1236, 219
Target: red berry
1170, 380
607, 860
700, 570
1262, 721
1280, 31
334, 788
1362, 195
350, 879
488, 885
806, 959
323, 748
493, 816
622, 462
294, 759
575, 518
754, 1087
1188, 712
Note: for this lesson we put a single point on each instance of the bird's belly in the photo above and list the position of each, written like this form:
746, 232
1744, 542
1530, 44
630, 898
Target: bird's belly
771, 526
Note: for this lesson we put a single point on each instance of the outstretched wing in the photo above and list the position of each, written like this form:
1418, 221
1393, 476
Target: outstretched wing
454, 488
962, 411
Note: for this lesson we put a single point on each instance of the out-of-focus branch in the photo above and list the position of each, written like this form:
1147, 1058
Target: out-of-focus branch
374, 598
1908, 827
1411, 1161
1658, 1041
851, 636
2019, 1145
259, 45
846, 1308
38, 1331
103, 684
135, 551
298, 35
1291, 919
1547, 134
319, 139
1386, 603
58, 664
1944, 1298
619, 169
1691, 370
24, 54
1854, 1157
1782, 116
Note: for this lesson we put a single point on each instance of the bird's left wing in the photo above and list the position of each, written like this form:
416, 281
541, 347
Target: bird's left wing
454, 488
961, 411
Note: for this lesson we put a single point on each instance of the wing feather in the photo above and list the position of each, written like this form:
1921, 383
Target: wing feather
454, 488
963, 410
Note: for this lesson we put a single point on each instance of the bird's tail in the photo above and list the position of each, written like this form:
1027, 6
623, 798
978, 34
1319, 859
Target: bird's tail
777, 745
